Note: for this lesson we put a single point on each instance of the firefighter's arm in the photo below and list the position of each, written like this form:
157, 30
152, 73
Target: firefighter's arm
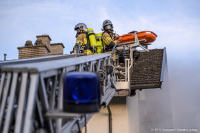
107, 40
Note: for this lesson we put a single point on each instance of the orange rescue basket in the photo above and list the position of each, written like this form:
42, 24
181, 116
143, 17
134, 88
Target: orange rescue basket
149, 36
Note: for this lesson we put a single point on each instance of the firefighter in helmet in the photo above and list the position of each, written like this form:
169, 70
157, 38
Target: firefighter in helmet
81, 37
108, 35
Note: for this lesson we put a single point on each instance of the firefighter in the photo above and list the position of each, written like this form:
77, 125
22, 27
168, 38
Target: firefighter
108, 35
81, 37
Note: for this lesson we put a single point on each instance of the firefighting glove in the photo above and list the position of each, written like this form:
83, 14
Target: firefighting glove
112, 44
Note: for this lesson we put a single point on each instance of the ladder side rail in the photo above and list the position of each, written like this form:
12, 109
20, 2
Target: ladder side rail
40, 59
56, 64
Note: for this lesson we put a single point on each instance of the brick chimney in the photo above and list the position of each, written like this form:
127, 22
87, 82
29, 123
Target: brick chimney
45, 40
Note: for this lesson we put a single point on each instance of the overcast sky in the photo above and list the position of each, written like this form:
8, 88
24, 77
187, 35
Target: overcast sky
176, 22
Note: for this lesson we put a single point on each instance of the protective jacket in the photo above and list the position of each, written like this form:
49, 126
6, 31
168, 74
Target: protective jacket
108, 39
83, 39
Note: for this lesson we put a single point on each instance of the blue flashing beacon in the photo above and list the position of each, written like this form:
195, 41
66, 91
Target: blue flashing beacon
81, 92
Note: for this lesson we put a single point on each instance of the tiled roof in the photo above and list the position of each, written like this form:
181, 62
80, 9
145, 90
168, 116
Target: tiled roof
147, 70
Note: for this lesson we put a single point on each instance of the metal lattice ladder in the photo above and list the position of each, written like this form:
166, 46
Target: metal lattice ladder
31, 94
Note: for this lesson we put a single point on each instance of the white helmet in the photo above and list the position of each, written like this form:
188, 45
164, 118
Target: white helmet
80, 27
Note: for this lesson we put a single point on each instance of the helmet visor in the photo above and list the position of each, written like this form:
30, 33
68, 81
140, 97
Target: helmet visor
77, 30
108, 27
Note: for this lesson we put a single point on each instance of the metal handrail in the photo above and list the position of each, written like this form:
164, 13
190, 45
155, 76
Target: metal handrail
40, 59
50, 65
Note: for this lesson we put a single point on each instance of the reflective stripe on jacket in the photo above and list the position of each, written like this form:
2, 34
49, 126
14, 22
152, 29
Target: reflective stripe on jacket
106, 38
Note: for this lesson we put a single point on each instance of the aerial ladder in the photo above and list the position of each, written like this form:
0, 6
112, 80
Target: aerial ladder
31, 90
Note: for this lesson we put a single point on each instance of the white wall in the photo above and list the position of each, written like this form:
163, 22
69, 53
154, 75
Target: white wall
99, 122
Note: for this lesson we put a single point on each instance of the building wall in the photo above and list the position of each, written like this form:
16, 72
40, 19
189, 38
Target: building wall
41, 48
32, 52
99, 122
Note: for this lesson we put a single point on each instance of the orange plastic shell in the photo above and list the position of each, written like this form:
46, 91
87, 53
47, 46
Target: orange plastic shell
148, 35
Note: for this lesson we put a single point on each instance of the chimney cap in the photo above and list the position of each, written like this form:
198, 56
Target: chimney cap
45, 35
